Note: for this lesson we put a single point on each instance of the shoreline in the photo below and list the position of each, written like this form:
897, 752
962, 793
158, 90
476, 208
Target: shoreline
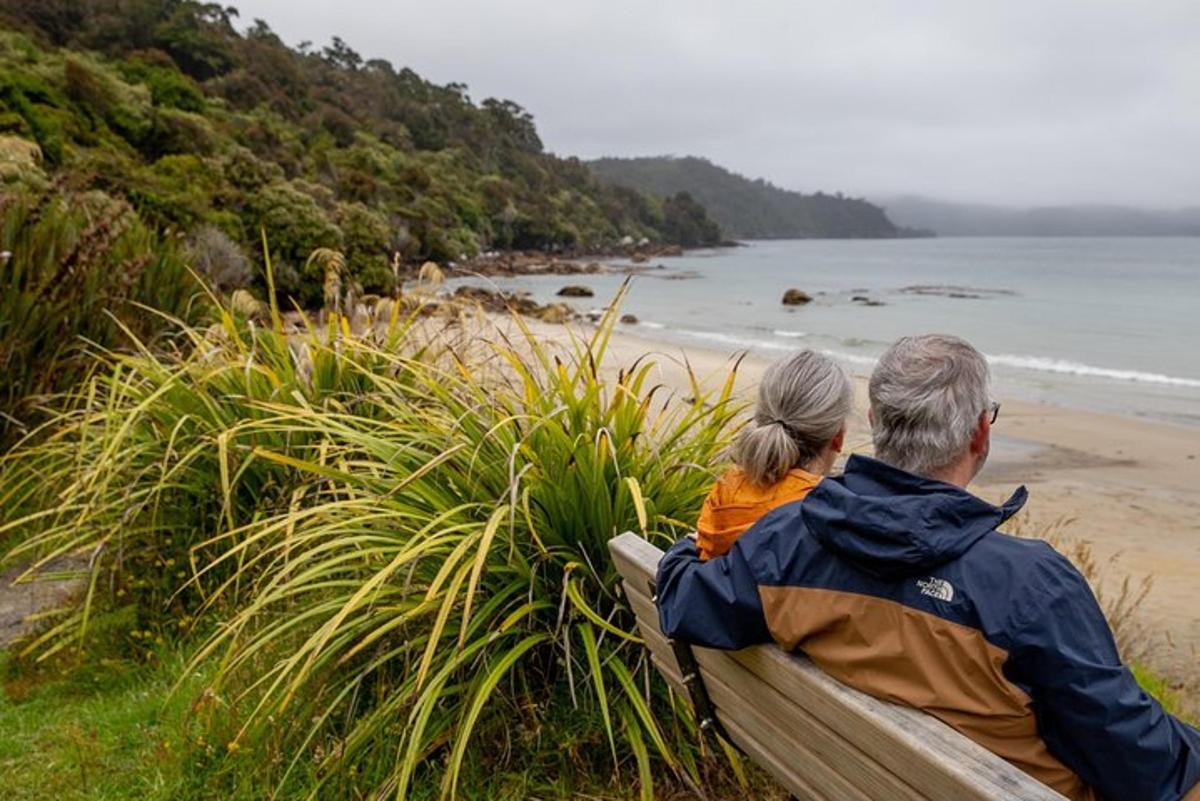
1128, 487
1103, 373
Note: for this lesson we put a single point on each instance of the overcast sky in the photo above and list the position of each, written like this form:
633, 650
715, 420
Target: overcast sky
1013, 101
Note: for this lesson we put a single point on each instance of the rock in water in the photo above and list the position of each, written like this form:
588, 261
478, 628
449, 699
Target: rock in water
866, 301
575, 291
629, 319
796, 297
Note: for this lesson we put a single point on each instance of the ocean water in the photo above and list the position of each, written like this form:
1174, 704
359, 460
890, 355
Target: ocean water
1111, 324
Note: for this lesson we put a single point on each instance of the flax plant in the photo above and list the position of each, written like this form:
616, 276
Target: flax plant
73, 268
154, 452
455, 568
394, 544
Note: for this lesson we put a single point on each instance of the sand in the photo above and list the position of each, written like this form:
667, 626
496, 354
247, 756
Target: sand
1128, 487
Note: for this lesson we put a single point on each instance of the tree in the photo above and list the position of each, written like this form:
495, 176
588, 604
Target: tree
341, 55
686, 222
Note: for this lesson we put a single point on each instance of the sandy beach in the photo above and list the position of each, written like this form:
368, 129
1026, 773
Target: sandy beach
1130, 488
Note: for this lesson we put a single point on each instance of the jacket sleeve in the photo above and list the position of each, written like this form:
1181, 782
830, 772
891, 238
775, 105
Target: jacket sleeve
1091, 712
713, 603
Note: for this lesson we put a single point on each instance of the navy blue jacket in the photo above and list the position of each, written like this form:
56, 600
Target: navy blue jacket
902, 587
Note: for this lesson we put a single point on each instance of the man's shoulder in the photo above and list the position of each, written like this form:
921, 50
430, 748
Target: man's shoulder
1027, 558
1011, 548
1012, 578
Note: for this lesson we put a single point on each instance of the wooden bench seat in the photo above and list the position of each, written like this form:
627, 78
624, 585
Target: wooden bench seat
819, 738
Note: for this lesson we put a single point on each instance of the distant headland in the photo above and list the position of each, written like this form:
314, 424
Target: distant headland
752, 208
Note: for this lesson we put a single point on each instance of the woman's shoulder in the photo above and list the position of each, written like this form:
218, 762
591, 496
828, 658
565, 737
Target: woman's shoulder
734, 486
799, 478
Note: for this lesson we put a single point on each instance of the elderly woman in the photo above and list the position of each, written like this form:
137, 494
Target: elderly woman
797, 431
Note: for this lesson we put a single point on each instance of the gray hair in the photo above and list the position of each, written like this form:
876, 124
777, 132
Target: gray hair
803, 402
927, 394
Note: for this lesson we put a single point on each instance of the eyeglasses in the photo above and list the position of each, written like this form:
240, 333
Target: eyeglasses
993, 409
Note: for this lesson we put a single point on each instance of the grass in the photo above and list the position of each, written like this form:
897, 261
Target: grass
74, 268
384, 546
111, 731
119, 728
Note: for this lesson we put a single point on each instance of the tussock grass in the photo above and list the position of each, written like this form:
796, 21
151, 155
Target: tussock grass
73, 269
389, 546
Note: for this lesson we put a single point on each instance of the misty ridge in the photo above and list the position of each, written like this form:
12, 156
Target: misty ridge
947, 218
748, 208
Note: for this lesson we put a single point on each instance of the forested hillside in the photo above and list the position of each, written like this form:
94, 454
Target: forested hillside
212, 128
750, 209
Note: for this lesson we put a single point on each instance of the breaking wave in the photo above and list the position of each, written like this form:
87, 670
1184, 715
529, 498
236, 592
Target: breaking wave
1064, 367
1040, 364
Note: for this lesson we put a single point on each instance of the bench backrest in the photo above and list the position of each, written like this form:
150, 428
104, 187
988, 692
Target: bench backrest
819, 738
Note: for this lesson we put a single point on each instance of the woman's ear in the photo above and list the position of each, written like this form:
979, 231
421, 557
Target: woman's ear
839, 440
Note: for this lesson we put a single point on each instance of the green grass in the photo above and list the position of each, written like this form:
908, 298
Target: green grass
114, 730
111, 731
117, 731
1162, 689
389, 544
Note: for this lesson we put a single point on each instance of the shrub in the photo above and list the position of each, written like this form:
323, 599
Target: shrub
405, 542
78, 266
168, 87
219, 260
297, 227
367, 242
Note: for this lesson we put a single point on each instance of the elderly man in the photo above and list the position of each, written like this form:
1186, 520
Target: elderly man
894, 579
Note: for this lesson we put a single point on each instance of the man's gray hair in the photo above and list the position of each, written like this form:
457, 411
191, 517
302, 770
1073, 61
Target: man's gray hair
927, 394
803, 402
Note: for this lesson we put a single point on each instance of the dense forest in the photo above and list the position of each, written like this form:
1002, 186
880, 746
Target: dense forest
214, 133
751, 209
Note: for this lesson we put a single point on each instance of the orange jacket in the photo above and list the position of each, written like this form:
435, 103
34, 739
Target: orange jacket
735, 504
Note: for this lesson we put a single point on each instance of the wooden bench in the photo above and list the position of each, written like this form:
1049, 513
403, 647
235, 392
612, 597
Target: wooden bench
819, 738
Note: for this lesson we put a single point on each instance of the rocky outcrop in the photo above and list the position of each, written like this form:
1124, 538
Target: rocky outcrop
575, 291
491, 300
796, 297
507, 264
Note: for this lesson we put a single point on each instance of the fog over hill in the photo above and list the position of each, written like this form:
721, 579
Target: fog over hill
750, 209
973, 219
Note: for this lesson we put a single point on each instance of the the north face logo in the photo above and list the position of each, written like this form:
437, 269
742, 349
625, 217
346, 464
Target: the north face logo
936, 588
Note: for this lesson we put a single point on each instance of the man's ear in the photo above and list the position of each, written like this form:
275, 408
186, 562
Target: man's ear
979, 441
839, 440
870, 417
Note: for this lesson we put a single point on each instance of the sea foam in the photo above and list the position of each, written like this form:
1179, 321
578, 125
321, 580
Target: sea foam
1042, 364
1062, 366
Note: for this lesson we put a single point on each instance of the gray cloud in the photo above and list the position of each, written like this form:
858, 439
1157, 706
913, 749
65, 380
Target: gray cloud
1024, 102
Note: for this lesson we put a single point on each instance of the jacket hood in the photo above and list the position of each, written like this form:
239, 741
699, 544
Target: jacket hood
893, 524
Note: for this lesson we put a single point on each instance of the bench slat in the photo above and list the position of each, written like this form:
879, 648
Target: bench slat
802, 789
737, 693
883, 749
